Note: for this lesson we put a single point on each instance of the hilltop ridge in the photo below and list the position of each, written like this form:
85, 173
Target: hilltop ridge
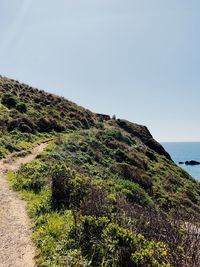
31, 110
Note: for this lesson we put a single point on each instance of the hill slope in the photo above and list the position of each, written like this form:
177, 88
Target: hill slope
104, 193
29, 114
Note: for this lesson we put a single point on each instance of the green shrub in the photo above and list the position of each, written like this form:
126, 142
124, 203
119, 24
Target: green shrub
87, 236
2, 152
123, 248
134, 193
9, 100
46, 124
31, 176
22, 124
52, 238
107, 244
61, 176
21, 107
68, 187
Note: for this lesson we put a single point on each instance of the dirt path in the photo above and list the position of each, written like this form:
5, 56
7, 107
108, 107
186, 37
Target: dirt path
16, 248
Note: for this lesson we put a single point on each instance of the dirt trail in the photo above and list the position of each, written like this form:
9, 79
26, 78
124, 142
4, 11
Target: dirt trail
16, 248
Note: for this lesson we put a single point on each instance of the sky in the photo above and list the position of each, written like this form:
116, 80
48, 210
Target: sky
137, 59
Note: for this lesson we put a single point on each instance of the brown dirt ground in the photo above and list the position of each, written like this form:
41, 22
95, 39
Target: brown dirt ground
16, 247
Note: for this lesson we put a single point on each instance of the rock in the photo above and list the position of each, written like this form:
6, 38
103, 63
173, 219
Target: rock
103, 117
181, 162
192, 162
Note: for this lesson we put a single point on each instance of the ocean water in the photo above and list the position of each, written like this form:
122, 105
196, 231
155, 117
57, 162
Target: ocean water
182, 151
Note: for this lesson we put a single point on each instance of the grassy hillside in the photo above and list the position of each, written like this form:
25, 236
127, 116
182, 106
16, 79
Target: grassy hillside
104, 192
28, 115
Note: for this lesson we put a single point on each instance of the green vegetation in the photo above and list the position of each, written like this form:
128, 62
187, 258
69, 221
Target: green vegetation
104, 192
28, 116
94, 206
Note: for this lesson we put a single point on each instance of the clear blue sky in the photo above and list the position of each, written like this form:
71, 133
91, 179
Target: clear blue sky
138, 59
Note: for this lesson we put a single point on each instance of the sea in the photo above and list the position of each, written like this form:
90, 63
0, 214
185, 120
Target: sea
183, 151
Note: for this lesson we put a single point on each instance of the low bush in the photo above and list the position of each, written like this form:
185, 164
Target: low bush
134, 193
107, 244
9, 100
68, 187
21, 107
22, 124
30, 178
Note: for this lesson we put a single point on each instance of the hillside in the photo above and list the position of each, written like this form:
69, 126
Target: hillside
28, 114
104, 192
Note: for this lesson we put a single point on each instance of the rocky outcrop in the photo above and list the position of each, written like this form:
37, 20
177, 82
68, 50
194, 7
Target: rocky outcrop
144, 135
192, 162
103, 117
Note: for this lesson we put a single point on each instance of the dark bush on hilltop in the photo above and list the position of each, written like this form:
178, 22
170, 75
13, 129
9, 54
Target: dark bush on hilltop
22, 124
57, 126
9, 100
44, 125
47, 125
